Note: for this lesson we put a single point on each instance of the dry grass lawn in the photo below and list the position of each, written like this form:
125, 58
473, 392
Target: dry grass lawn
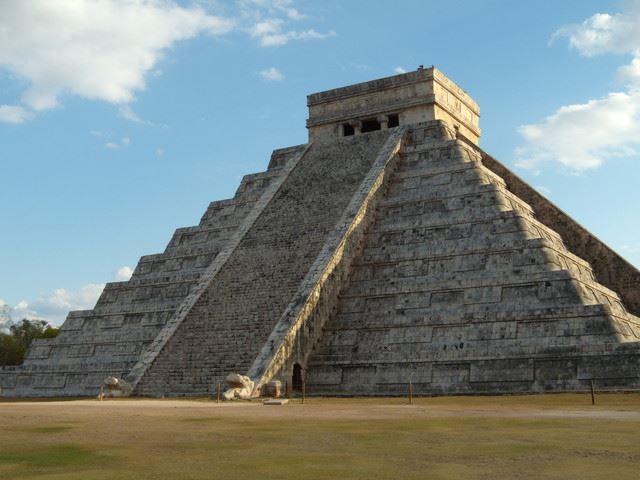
520, 437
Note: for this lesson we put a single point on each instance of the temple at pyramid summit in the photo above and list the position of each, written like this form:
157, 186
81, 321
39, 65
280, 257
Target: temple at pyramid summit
389, 249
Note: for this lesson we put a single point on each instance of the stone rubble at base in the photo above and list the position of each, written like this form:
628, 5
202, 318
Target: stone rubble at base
389, 249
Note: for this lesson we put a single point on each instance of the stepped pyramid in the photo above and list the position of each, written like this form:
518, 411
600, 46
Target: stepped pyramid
388, 249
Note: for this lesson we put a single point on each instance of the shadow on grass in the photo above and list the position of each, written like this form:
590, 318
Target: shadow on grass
48, 457
45, 429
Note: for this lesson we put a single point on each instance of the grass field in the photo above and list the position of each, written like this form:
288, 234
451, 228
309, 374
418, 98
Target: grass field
520, 437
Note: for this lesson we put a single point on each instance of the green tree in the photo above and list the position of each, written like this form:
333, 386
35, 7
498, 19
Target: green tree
10, 351
14, 346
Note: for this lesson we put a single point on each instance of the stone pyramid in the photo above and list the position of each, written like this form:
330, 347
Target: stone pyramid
388, 250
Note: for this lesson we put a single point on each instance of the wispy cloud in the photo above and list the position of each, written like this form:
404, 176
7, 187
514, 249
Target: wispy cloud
14, 114
273, 8
282, 38
123, 273
399, 70
5, 316
584, 136
271, 74
54, 306
268, 21
109, 141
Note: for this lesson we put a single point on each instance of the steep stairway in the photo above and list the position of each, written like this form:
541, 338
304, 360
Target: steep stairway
460, 289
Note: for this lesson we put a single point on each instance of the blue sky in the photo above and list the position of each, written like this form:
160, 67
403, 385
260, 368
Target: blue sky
121, 120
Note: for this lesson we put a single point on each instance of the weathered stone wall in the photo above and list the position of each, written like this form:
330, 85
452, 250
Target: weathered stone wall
233, 316
460, 289
422, 95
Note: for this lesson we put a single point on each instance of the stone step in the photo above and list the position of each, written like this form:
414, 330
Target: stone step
508, 241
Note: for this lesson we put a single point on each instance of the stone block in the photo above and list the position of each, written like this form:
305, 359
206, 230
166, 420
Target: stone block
7, 380
356, 375
325, 375
609, 367
560, 369
507, 370
403, 373
450, 373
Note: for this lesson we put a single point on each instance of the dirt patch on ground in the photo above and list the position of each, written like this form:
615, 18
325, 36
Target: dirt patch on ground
608, 406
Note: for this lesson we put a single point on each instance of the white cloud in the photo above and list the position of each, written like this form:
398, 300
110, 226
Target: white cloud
282, 38
111, 144
399, 70
115, 145
159, 151
22, 305
269, 26
105, 49
95, 49
270, 7
267, 20
583, 136
605, 33
14, 114
272, 74
5, 317
55, 306
123, 274
128, 113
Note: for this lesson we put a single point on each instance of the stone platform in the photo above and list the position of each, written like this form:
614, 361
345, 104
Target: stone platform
389, 249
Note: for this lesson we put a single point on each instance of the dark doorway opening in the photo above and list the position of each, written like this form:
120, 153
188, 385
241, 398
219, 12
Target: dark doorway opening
394, 121
347, 130
296, 381
370, 125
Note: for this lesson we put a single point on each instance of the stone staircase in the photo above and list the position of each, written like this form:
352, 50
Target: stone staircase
460, 289
238, 308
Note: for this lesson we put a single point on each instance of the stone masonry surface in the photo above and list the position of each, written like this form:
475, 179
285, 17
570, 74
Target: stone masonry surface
234, 316
359, 264
300, 327
460, 289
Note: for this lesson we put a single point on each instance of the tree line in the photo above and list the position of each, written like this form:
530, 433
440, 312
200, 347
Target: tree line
14, 345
